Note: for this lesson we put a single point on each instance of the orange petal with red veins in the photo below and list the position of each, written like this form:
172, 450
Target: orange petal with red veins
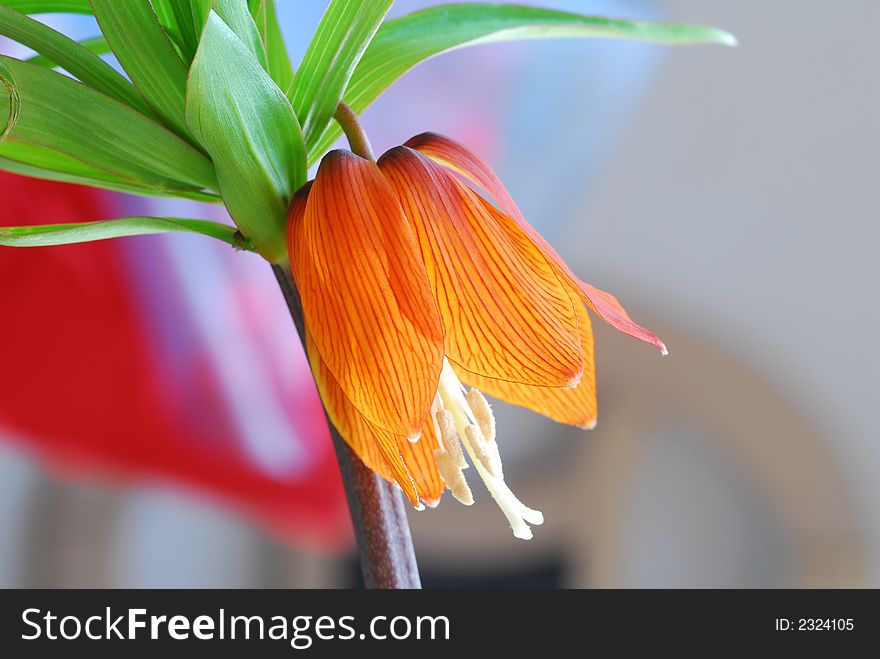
419, 459
505, 313
575, 406
395, 458
365, 294
378, 449
460, 159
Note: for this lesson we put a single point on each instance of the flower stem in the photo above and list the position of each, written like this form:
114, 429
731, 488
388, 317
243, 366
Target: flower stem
354, 132
377, 507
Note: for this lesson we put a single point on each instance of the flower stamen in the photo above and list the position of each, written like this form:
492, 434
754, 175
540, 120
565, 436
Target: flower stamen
450, 459
483, 413
449, 435
469, 418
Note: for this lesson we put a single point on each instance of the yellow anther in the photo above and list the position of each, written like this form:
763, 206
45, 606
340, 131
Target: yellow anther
482, 413
449, 437
453, 477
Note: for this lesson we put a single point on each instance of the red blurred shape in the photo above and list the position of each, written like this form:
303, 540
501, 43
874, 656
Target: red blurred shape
77, 386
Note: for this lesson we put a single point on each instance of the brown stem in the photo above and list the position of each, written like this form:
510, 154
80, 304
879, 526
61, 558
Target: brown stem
378, 511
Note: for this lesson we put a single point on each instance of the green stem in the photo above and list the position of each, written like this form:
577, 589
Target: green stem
354, 132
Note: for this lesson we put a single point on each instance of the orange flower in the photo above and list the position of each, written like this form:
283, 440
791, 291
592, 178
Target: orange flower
412, 283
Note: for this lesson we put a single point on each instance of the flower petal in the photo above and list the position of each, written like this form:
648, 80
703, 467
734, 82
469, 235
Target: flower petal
410, 464
460, 159
420, 463
575, 406
506, 315
365, 293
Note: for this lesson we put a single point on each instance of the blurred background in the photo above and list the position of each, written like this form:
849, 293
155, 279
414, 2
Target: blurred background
727, 196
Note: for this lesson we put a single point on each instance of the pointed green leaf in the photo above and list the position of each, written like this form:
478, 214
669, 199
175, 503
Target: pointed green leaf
41, 162
164, 10
246, 123
200, 10
71, 56
238, 18
147, 55
48, 6
96, 45
65, 234
342, 36
176, 18
188, 18
266, 20
64, 115
401, 43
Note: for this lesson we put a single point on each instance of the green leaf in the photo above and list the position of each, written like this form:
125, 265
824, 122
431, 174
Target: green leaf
41, 162
147, 55
401, 43
342, 36
71, 56
266, 20
186, 20
48, 6
65, 234
248, 126
165, 13
96, 45
200, 10
176, 18
7, 79
238, 18
66, 116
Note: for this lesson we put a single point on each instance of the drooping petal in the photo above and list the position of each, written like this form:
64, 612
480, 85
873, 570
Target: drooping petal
460, 159
506, 315
365, 293
395, 458
575, 406
378, 449
421, 465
